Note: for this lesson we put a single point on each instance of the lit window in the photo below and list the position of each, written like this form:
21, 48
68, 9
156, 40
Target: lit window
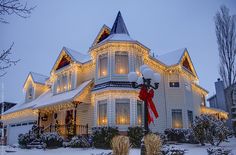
70, 81
121, 63
139, 112
103, 61
177, 121
174, 80
138, 63
102, 112
30, 92
64, 82
190, 118
122, 111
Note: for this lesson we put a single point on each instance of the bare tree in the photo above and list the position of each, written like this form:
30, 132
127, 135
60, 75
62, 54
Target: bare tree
225, 33
9, 7
6, 61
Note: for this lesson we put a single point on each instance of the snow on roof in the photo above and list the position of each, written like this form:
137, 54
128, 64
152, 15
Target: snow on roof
118, 37
172, 58
39, 78
77, 56
48, 98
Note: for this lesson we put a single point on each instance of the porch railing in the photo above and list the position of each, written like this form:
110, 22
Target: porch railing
68, 130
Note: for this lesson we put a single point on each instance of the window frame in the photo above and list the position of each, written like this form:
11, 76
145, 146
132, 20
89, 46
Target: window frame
128, 63
102, 102
99, 65
139, 102
175, 82
123, 101
174, 118
190, 120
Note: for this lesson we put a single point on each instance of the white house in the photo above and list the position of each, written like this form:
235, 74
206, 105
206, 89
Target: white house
92, 89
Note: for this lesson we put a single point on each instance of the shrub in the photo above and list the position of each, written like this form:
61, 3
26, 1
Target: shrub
120, 145
172, 151
102, 136
209, 129
135, 135
180, 135
52, 140
25, 139
152, 144
79, 142
218, 151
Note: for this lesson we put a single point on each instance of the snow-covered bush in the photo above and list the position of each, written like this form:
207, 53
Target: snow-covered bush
25, 139
180, 135
79, 142
167, 150
135, 135
102, 136
209, 129
52, 140
218, 151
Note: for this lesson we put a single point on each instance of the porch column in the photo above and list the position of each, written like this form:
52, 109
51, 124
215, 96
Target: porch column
75, 111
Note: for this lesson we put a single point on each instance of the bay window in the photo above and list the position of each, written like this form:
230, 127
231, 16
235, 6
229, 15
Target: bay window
103, 62
122, 111
121, 63
177, 121
102, 112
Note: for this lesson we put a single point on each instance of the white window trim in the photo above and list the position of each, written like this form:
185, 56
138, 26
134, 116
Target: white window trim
130, 113
172, 81
97, 112
114, 64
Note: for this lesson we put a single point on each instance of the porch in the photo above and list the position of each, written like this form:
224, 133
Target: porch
67, 119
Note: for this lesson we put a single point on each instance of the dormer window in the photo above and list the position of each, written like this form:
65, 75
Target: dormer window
64, 82
103, 62
30, 92
121, 63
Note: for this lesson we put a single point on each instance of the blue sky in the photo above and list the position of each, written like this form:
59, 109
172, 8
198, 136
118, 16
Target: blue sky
161, 25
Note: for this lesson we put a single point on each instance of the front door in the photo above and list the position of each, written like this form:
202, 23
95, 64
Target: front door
69, 123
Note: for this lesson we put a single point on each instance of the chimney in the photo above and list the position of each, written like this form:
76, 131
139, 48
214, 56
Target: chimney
220, 95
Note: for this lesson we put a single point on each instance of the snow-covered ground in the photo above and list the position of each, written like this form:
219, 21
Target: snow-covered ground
193, 149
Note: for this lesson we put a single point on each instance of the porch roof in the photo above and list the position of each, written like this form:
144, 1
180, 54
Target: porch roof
50, 99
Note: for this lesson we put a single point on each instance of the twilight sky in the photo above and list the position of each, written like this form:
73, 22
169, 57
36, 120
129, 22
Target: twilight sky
161, 25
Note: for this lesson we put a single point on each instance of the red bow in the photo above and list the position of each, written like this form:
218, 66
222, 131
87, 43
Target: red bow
147, 96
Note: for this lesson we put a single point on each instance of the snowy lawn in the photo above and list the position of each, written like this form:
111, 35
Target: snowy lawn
193, 149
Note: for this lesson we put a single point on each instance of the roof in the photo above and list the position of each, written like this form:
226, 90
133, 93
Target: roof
48, 98
119, 26
38, 78
172, 58
77, 56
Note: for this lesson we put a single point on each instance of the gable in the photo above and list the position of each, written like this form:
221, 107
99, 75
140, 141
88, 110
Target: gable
29, 81
187, 64
64, 59
103, 34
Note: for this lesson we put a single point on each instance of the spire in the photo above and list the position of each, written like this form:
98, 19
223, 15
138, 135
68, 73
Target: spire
119, 25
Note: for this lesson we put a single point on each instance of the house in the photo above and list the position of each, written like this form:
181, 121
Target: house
225, 99
92, 90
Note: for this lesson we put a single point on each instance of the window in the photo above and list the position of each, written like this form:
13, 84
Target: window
30, 92
174, 80
122, 111
139, 112
177, 121
103, 61
138, 63
190, 118
102, 112
121, 63
64, 82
